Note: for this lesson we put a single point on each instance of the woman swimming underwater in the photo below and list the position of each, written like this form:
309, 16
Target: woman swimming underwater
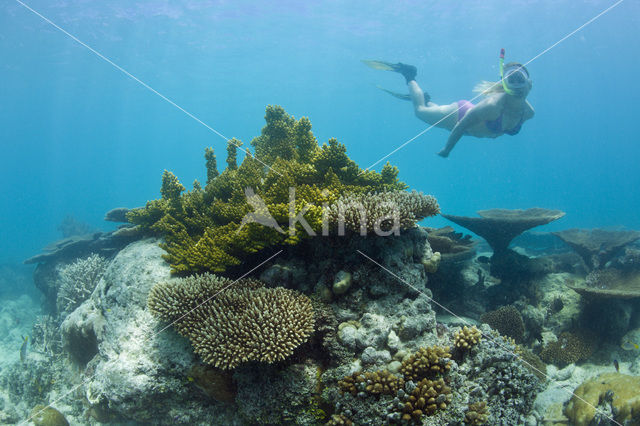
503, 110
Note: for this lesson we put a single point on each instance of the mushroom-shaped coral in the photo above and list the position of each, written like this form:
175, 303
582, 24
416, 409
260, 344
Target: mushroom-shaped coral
610, 283
620, 389
229, 323
477, 414
426, 362
597, 246
466, 338
499, 226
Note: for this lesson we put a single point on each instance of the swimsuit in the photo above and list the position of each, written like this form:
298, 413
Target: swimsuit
494, 126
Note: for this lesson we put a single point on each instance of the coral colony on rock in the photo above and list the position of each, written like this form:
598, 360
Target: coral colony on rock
359, 316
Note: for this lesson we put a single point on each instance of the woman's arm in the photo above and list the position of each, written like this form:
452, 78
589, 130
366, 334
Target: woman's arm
485, 110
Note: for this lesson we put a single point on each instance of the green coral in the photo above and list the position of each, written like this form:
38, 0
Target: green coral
203, 229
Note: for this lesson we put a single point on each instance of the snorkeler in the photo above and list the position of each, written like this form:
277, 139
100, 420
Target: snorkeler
503, 110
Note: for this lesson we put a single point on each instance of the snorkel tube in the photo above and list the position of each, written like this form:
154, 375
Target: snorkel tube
504, 85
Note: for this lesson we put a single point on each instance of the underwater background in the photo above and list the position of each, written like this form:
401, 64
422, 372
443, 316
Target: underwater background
79, 137
100, 101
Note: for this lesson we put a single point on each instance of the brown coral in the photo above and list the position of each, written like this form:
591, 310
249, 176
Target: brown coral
467, 337
376, 383
426, 362
569, 348
507, 321
428, 397
477, 414
229, 323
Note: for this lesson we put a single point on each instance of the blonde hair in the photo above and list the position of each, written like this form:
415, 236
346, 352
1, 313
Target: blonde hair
488, 88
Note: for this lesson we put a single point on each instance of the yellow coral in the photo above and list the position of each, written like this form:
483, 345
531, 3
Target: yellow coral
426, 362
625, 399
202, 227
467, 337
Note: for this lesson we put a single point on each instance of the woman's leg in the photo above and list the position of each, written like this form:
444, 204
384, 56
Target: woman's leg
443, 116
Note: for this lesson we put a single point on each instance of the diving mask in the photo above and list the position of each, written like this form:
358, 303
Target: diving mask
514, 76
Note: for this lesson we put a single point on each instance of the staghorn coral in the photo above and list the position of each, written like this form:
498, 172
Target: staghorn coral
213, 228
569, 348
477, 414
229, 323
467, 337
426, 362
507, 321
376, 383
382, 212
428, 397
77, 281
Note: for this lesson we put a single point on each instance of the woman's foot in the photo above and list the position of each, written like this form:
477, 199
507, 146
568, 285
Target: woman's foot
409, 72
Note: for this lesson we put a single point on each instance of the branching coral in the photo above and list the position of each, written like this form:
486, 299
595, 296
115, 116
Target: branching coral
376, 383
428, 397
426, 362
78, 280
477, 414
229, 323
209, 230
386, 211
467, 337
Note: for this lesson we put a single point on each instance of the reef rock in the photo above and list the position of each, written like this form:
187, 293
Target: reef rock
138, 370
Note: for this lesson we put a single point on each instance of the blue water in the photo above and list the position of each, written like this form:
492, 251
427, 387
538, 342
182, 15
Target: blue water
80, 137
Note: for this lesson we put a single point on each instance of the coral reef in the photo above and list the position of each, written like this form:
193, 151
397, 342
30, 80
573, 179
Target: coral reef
382, 213
597, 246
610, 283
77, 280
213, 228
619, 391
569, 348
499, 226
477, 414
47, 416
427, 362
466, 338
375, 383
427, 397
506, 321
230, 322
